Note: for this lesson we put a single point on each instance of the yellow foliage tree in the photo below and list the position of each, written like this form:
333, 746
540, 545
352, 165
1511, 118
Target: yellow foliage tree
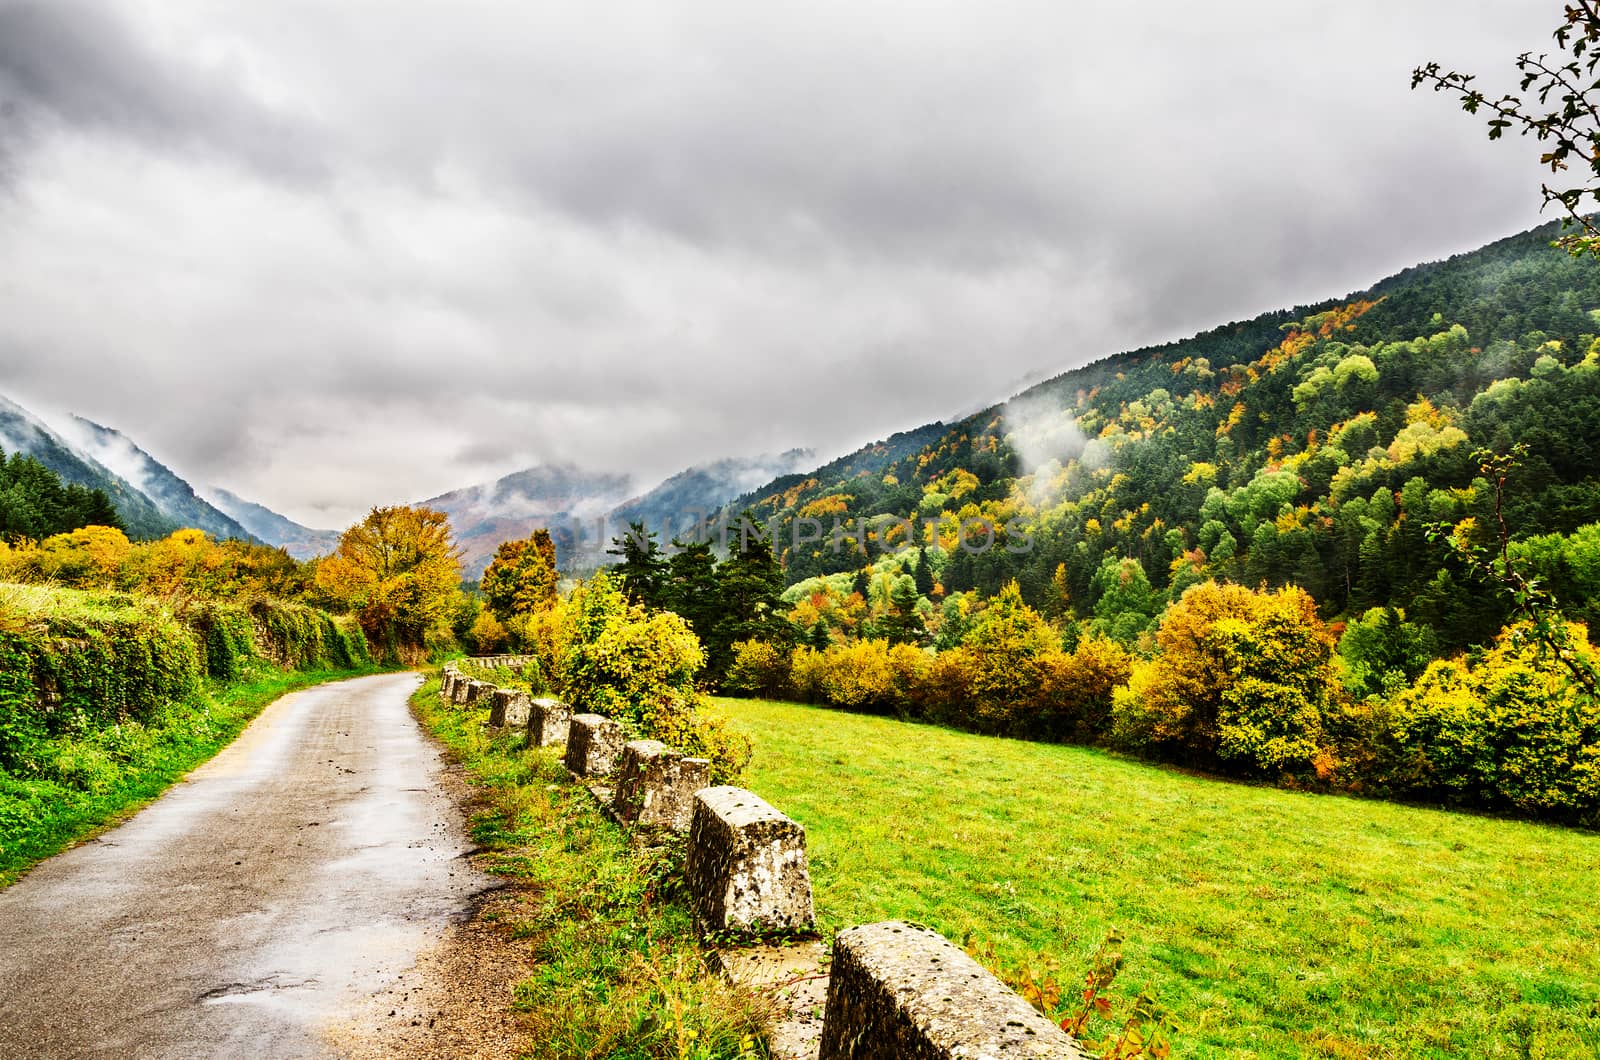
521, 579
1243, 681
399, 570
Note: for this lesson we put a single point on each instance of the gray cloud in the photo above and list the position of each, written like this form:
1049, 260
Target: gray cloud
335, 255
79, 64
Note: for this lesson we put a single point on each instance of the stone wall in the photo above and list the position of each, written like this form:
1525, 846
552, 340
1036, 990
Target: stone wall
893, 991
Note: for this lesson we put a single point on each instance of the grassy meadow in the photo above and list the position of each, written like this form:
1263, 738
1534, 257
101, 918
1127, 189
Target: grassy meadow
1268, 923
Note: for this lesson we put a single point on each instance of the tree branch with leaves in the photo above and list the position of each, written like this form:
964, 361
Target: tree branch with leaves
1558, 103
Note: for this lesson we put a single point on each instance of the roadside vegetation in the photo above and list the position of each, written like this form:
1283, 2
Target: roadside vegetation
1266, 923
107, 698
619, 974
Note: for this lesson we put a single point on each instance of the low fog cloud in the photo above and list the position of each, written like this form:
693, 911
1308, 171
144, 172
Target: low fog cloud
334, 255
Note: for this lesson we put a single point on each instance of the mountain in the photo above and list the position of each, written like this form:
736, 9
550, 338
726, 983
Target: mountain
266, 524
585, 510
564, 498
171, 495
23, 432
150, 497
1311, 446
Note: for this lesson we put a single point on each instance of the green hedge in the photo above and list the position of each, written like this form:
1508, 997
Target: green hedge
72, 662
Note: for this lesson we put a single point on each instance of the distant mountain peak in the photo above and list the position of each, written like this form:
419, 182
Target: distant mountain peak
299, 541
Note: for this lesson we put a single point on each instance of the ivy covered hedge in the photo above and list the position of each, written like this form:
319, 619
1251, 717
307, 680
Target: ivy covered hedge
74, 662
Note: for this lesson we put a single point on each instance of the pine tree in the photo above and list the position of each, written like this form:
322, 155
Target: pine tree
924, 575
643, 569
749, 591
690, 589
903, 624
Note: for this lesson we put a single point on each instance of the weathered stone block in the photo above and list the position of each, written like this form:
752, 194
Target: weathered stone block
593, 745
458, 691
898, 992
656, 786
479, 691
508, 708
447, 682
746, 865
548, 720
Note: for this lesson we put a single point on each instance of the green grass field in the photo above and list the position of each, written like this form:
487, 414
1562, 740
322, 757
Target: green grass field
1269, 923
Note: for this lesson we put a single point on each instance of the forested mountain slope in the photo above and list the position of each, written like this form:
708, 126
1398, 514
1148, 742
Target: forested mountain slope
23, 432
1309, 446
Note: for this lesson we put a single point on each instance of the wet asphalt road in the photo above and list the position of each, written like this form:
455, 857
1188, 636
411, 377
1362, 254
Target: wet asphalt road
254, 904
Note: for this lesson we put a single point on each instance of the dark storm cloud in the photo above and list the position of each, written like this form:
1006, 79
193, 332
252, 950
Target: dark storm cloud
333, 255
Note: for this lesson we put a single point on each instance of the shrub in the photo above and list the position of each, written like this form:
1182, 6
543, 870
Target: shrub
1074, 700
857, 676
1510, 730
639, 667
487, 636
759, 668
805, 673
224, 638
88, 662
944, 691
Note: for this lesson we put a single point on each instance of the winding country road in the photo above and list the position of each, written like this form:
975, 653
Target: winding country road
253, 907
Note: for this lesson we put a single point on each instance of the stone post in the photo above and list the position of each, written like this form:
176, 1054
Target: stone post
548, 720
897, 991
593, 744
508, 709
656, 786
746, 865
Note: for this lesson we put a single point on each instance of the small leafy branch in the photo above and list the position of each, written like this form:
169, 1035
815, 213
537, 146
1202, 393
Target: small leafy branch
1562, 112
1145, 1030
1531, 602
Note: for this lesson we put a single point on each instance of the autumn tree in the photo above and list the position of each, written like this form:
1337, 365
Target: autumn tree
1243, 681
521, 579
1007, 646
398, 569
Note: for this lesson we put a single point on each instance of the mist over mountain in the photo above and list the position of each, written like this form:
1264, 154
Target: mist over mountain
560, 497
299, 541
21, 431
152, 499
584, 510
171, 494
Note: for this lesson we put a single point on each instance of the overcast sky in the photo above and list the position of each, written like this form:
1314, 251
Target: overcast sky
329, 255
